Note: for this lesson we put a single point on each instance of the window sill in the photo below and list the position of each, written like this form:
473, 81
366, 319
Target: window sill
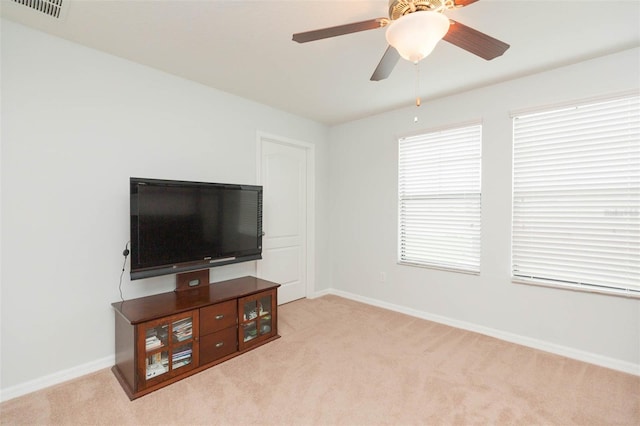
631, 294
439, 268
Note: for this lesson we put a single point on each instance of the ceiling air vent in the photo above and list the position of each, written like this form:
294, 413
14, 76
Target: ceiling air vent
49, 7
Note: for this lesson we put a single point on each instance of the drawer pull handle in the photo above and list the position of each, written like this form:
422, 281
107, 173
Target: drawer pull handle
219, 317
219, 344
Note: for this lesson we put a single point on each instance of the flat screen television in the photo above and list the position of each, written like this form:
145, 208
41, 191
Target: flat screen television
179, 226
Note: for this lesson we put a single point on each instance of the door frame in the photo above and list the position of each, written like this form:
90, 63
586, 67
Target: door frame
310, 155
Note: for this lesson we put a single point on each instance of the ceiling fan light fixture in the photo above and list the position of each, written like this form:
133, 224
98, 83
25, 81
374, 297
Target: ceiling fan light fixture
416, 34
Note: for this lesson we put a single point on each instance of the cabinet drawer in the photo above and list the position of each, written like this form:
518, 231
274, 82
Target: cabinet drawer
218, 317
216, 345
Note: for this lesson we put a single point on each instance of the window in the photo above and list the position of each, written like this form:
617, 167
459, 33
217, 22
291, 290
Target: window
439, 199
576, 197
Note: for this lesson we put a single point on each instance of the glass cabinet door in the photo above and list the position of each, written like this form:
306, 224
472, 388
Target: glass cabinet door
257, 323
168, 347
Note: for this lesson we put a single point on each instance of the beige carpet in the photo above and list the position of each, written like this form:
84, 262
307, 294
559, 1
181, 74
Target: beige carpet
340, 362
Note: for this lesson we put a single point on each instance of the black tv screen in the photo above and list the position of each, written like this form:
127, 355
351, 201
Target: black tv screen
179, 226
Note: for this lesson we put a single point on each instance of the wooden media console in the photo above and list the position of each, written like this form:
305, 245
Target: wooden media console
164, 338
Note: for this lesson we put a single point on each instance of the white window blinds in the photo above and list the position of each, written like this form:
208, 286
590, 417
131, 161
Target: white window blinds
576, 196
439, 199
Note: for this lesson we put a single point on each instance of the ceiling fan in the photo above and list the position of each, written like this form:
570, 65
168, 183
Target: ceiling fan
420, 24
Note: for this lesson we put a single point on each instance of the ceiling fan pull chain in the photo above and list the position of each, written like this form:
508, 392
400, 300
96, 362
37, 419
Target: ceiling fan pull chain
418, 84
418, 102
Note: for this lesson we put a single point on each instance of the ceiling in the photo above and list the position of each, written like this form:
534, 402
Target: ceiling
245, 48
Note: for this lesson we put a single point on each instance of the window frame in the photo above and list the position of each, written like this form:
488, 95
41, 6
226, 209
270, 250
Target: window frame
472, 266
556, 113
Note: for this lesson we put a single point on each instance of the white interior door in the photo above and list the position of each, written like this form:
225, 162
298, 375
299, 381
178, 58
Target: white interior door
283, 170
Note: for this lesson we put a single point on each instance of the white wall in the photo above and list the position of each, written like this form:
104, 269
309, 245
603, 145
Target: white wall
76, 124
363, 174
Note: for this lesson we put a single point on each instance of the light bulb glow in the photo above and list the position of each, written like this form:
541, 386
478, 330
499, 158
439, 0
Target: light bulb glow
416, 34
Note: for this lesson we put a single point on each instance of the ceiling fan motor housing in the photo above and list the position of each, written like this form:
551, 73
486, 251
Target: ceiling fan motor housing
399, 8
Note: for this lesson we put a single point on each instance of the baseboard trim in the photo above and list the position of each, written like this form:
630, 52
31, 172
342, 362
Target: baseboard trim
591, 358
322, 293
56, 378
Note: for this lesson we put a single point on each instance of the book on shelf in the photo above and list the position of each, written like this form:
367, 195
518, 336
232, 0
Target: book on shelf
181, 357
186, 353
153, 343
183, 329
181, 363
